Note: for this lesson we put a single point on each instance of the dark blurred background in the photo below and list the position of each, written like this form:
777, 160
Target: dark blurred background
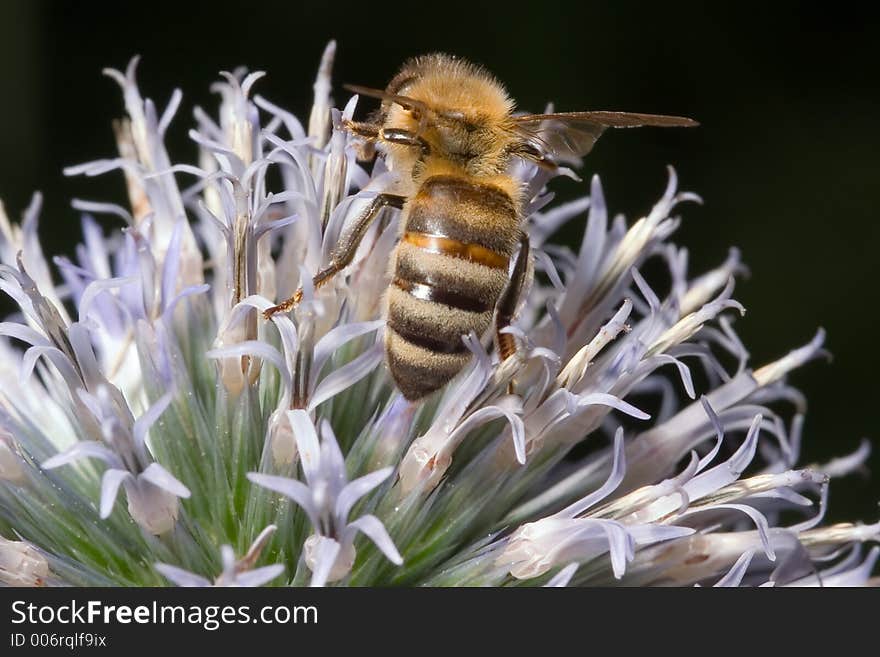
786, 158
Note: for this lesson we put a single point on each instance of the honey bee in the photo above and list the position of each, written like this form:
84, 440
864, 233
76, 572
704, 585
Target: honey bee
447, 129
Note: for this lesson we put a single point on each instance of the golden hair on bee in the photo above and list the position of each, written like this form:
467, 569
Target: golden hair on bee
462, 264
460, 111
452, 84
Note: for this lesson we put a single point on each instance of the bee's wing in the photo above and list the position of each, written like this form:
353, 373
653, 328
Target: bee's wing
572, 135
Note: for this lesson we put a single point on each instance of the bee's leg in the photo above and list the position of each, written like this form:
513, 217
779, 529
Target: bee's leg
344, 252
373, 132
506, 308
529, 152
369, 133
403, 138
363, 129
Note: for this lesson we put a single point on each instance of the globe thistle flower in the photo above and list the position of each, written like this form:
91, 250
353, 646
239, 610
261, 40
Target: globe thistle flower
153, 426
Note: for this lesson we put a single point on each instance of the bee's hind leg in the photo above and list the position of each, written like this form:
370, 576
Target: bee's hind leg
505, 311
344, 252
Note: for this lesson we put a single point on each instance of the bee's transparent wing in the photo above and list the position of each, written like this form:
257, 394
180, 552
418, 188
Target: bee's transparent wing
571, 135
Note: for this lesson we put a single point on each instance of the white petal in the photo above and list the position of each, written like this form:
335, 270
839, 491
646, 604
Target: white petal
98, 287
294, 127
181, 577
159, 476
618, 469
814, 521
254, 348
649, 294
487, 414
259, 543
729, 471
375, 530
548, 222
94, 207
844, 465
719, 433
746, 452
306, 442
97, 167
347, 375
274, 224
757, 517
857, 576
340, 335
549, 268
563, 577
24, 333
735, 575
171, 264
260, 576
591, 255
355, 490
602, 399
683, 371
332, 459
323, 558
648, 534
14, 291
170, 111
295, 490
84, 449
620, 547
110, 483
793, 360
190, 291
454, 405
145, 421
56, 357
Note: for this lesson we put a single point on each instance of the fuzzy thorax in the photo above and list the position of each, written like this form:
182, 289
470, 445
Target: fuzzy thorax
466, 121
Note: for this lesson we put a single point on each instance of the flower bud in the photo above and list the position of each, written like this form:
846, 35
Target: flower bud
11, 466
21, 564
344, 560
281, 440
151, 507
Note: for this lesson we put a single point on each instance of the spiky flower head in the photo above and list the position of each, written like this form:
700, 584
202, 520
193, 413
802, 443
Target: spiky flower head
153, 426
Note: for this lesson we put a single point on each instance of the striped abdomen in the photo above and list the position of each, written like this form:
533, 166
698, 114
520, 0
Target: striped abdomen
450, 268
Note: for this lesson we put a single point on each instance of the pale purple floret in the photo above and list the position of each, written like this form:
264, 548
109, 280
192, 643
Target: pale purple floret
328, 497
151, 369
236, 572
